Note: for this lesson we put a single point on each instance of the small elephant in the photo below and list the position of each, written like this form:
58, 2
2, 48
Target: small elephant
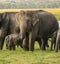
12, 40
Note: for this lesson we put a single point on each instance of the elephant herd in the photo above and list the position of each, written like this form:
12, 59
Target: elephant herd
25, 27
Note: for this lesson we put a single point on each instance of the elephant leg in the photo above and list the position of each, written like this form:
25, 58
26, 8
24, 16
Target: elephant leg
51, 46
13, 47
44, 42
20, 43
9, 48
27, 43
56, 48
31, 45
53, 41
2, 38
42, 46
57, 43
6, 46
1, 43
40, 43
31, 41
3, 34
24, 43
54, 45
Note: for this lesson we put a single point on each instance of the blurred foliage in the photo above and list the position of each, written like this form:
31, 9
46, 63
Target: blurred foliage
30, 4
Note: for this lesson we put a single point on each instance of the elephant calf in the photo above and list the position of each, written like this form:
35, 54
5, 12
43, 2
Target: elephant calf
12, 40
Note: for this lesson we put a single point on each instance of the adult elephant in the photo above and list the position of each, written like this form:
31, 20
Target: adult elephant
40, 23
8, 25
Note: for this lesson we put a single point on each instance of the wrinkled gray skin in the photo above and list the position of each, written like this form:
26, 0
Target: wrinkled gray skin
53, 40
8, 25
36, 23
12, 40
57, 47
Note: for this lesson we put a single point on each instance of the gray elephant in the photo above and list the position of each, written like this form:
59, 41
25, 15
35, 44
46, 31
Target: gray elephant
53, 40
40, 23
12, 40
57, 47
8, 25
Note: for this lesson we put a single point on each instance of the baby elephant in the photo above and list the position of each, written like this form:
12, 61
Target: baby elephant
12, 40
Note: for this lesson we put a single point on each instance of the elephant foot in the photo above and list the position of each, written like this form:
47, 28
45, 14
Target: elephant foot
1, 48
56, 50
9, 48
14, 49
26, 48
47, 46
51, 49
31, 49
43, 48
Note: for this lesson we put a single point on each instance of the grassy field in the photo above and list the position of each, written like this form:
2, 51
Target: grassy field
24, 57
36, 57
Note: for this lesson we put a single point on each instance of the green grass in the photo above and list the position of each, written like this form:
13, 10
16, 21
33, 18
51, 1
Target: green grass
19, 56
57, 16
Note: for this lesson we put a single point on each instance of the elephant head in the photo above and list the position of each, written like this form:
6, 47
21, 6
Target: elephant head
27, 20
24, 19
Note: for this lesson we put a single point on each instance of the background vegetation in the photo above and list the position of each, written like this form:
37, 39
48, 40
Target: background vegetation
22, 4
19, 56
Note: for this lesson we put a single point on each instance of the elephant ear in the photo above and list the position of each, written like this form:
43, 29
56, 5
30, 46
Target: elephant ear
0, 19
35, 20
2, 15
